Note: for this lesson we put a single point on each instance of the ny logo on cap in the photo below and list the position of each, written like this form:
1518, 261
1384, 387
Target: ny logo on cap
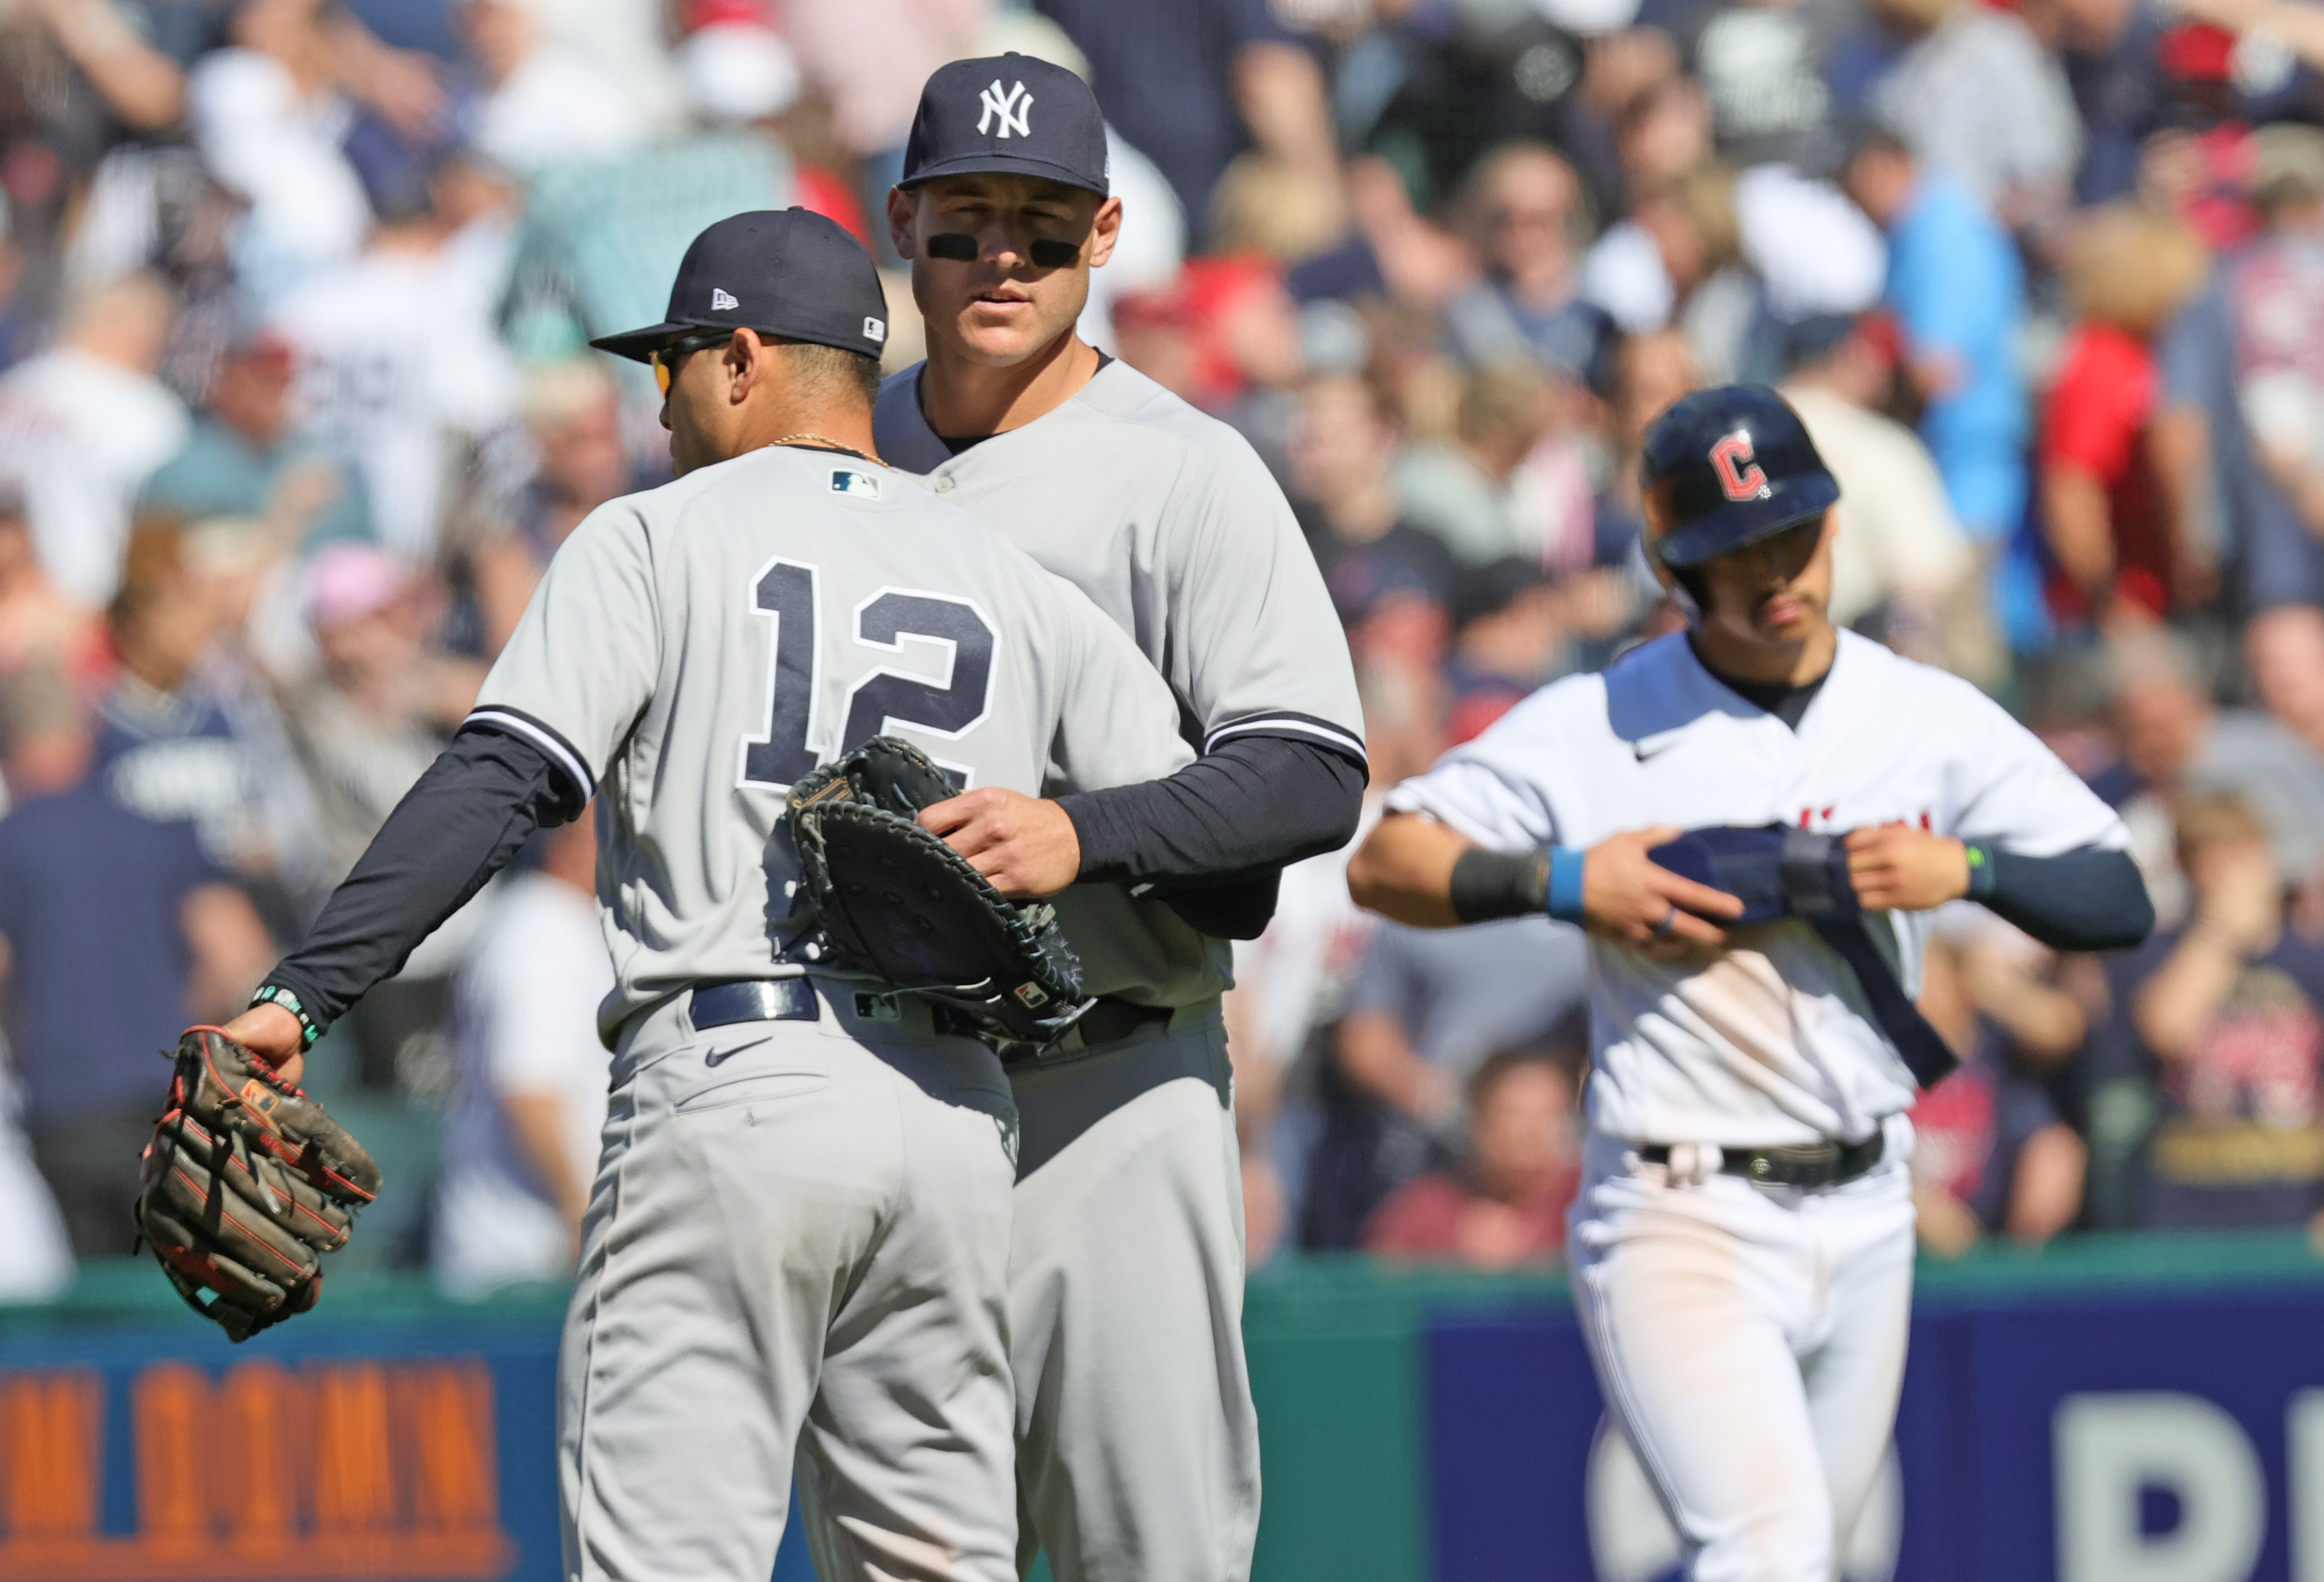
1011, 107
721, 301
1749, 481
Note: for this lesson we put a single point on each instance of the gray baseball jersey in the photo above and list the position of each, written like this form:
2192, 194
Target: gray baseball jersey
1170, 521
695, 649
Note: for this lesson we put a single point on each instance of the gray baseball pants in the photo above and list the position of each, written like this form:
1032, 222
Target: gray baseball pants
798, 1237
1136, 1444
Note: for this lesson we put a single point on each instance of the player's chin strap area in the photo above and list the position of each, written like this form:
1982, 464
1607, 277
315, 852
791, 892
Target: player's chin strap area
1778, 871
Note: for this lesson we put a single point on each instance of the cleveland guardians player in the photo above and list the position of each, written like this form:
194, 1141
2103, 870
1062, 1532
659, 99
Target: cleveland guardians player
1753, 819
799, 1231
1139, 1452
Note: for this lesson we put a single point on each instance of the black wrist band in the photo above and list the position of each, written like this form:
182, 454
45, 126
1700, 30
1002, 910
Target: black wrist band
274, 995
1488, 884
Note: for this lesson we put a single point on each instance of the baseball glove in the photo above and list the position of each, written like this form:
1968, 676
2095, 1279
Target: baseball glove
248, 1183
892, 899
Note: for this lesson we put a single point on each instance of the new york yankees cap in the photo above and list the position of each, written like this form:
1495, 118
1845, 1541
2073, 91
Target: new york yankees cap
1011, 114
780, 271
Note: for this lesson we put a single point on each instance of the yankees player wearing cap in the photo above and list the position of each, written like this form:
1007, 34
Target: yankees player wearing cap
1753, 819
1139, 1447
799, 1231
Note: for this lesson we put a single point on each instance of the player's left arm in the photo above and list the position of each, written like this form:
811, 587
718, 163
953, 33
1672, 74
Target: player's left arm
1262, 674
562, 696
2031, 843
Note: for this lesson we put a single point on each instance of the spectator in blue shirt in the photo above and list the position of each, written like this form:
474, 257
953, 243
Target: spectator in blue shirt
2229, 1006
1527, 215
115, 932
1958, 290
2252, 333
242, 460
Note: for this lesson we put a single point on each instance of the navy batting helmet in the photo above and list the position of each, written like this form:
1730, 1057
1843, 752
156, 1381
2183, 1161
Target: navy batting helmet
1736, 465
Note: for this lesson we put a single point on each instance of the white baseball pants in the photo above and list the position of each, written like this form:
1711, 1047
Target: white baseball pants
1138, 1447
798, 1237
1750, 1343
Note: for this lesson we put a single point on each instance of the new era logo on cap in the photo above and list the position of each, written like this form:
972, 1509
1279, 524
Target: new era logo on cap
721, 301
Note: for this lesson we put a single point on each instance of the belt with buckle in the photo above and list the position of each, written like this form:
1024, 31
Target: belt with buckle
759, 999
1809, 1168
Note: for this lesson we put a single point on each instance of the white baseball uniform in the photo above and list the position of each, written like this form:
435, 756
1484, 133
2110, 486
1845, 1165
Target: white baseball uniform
798, 1234
1751, 1340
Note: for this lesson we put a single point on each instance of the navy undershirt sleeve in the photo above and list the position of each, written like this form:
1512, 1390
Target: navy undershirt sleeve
457, 827
2085, 899
1213, 837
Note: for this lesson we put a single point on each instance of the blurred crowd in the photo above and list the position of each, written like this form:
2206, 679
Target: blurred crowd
295, 404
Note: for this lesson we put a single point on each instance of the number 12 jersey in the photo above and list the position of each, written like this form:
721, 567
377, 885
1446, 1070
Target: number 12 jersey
695, 649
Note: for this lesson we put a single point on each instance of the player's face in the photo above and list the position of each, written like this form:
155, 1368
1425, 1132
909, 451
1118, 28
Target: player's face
698, 405
1034, 244
1774, 592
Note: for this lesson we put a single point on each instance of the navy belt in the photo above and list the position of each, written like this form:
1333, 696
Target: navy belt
1810, 1168
764, 999
794, 999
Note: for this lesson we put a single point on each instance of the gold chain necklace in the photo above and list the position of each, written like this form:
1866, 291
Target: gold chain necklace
828, 443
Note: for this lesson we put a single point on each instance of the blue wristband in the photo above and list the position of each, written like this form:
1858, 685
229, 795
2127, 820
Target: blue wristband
1565, 884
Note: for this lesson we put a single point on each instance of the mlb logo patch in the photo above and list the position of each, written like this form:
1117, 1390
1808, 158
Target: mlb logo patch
876, 329
861, 484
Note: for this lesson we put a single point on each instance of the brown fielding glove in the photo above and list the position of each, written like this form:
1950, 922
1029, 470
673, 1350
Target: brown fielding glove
248, 1183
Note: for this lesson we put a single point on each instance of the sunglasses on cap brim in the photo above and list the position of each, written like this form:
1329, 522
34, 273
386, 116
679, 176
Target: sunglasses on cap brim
667, 358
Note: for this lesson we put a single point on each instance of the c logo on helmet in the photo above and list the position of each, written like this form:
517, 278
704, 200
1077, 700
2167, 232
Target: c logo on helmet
1745, 482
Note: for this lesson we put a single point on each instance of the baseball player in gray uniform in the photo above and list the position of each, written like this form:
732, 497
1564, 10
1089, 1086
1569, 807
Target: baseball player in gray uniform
1137, 1455
799, 1232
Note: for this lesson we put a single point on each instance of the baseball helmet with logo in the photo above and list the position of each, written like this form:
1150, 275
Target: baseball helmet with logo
1733, 465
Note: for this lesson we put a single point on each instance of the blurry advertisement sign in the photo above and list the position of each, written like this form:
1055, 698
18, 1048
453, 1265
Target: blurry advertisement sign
344, 1468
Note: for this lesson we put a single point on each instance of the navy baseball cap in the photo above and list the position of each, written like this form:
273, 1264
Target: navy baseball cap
1009, 114
780, 271
1737, 466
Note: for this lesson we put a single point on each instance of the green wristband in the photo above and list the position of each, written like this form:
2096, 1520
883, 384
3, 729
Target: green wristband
1981, 871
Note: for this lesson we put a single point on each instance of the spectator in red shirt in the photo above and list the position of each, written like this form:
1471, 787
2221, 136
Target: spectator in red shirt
1505, 1204
2117, 551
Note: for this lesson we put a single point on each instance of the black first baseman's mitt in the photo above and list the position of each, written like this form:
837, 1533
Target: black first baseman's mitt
248, 1183
894, 900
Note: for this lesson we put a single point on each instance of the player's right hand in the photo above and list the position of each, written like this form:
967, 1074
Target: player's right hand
1632, 900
